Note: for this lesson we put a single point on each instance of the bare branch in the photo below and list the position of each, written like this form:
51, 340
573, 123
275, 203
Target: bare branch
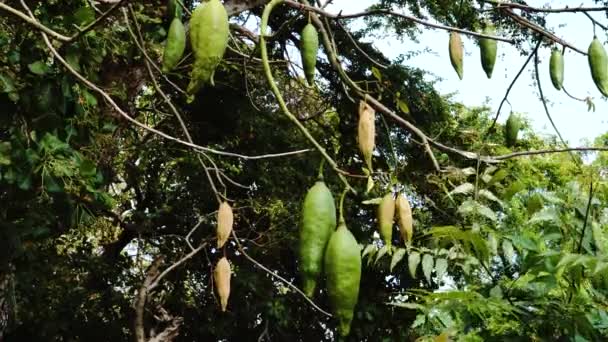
379, 12
34, 22
504, 99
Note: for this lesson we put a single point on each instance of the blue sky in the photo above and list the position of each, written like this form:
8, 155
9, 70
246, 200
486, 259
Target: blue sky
570, 116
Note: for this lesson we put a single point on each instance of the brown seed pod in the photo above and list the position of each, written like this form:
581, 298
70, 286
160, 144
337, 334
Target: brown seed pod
225, 219
456, 53
221, 275
404, 218
366, 132
386, 216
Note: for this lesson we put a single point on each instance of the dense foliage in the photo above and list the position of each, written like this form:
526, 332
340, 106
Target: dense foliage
94, 204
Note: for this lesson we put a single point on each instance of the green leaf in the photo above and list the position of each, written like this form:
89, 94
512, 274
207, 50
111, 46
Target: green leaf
412, 263
508, 251
5, 153
50, 184
498, 177
514, 189
496, 292
412, 306
523, 242
465, 188
87, 168
39, 68
545, 215
441, 267
368, 249
381, 252
370, 184
84, 15
376, 73
397, 256
403, 106
489, 195
373, 201
6, 84
493, 243
427, 266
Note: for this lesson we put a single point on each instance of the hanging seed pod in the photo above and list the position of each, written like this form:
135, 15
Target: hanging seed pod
386, 216
309, 45
221, 276
318, 223
404, 218
512, 127
556, 69
343, 271
225, 220
488, 48
598, 63
209, 33
456, 53
175, 45
366, 132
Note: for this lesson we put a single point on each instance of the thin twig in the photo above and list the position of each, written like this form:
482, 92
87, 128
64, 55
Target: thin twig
504, 99
34, 22
352, 40
273, 274
192, 253
139, 42
380, 12
540, 30
544, 102
97, 21
279, 97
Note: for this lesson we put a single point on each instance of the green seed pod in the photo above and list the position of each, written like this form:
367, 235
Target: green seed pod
456, 53
512, 127
343, 271
556, 69
309, 44
209, 33
174, 10
318, 223
488, 49
386, 215
175, 45
598, 65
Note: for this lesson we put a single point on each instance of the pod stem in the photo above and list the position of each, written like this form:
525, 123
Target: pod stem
320, 173
342, 206
279, 97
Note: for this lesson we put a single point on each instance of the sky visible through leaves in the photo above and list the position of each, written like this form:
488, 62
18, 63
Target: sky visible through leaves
576, 124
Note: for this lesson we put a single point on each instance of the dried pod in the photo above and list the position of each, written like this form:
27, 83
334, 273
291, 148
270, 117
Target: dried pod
221, 276
366, 132
598, 62
456, 53
404, 218
386, 216
488, 49
225, 220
